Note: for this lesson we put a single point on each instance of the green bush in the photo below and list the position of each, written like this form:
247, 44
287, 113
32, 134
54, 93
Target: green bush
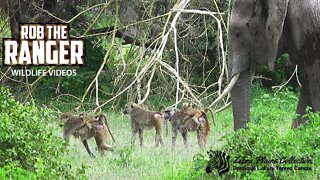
28, 145
266, 140
269, 134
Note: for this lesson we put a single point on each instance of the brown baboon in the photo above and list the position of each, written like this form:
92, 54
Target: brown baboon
195, 113
85, 127
144, 119
186, 120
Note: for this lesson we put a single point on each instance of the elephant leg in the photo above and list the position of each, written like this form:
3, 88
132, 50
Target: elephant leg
312, 72
310, 93
304, 101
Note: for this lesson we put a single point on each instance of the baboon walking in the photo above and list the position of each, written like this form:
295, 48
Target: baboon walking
186, 120
85, 127
144, 119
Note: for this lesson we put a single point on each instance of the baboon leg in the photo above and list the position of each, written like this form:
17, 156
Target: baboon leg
86, 145
134, 134
159, 139
184, 134
141, 136
167, 128
102, 147
105, 147
174, 137
201, 139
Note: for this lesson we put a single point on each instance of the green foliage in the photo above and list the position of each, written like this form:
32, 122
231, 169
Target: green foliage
124, 156
28, 146
195, 169
265, 139
282, 71
269, 134
14, 172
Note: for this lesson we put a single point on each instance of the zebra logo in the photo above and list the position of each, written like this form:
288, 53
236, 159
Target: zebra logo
218, 160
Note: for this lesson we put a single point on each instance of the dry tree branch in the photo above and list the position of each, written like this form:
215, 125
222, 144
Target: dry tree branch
39, 78
45, 11
5, 74
284, 84
224, 63
108, 30
70, 96
105, 59
223, 108
82, 12
156, 55
220, 14
97, 94
177, 60
29, 90
186, 86
148, 86
138, 89
97, 17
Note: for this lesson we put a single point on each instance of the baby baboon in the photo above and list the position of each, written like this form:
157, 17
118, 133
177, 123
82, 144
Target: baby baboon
195, 113
191, 112
85, 127
144, 119
186, 120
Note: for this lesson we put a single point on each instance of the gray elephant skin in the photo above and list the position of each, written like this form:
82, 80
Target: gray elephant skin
261, 30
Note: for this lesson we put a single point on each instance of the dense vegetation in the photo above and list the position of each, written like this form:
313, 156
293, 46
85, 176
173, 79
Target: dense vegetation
29, 148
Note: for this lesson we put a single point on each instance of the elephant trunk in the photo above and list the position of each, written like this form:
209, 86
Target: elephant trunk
240, 96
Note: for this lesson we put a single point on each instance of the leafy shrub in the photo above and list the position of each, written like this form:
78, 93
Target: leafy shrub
269, 134
266, 140
28, 145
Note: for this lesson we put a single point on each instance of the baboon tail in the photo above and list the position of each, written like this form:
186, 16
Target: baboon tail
212, 115
106, 121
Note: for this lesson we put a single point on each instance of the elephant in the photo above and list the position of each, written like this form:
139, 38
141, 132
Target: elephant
260, 31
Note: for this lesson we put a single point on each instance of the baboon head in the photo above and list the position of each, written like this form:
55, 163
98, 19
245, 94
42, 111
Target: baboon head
169, 112
64, 117
83, 115
129, 107
101, 118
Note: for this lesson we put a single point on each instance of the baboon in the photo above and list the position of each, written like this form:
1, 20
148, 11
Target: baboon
165, 120
85, 127
144, 119
186, 120
195, 113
